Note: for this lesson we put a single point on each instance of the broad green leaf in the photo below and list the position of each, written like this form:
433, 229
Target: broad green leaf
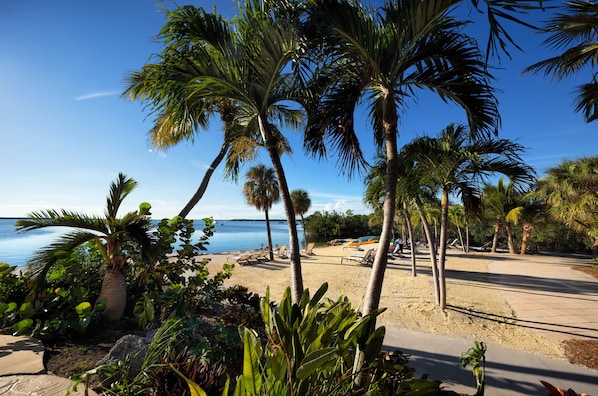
319, 294
83, 308
252, 352
315, 360
19, 327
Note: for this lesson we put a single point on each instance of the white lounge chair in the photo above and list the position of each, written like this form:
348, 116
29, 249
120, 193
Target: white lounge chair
366, 260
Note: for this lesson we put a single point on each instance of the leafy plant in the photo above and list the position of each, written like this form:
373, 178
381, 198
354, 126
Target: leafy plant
476, 357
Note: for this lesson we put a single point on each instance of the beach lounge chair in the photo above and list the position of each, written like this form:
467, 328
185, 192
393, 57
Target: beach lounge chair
309, 249
367, 259
246, 259
282, 252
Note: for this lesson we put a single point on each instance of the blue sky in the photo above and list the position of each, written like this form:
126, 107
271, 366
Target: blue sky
66, 132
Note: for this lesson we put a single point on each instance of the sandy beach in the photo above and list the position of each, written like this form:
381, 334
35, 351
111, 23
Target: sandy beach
409, 300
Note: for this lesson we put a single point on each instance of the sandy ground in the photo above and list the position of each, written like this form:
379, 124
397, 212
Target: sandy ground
409, 300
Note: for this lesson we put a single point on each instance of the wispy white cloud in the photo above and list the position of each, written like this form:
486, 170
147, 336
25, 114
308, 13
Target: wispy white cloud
94, 95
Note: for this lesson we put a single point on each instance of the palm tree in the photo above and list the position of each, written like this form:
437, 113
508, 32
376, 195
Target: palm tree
529, 213
382, 59
110, 233
571, 192
244, 61
502, 203
301, 204
575, 32
261, 191
456, 163
181, 112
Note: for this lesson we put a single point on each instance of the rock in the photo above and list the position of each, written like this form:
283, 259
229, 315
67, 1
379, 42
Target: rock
130, 349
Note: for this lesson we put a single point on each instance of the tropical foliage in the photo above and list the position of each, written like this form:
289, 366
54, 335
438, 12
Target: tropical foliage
326, 226
301, 204
111, 233
570, 190
575, 33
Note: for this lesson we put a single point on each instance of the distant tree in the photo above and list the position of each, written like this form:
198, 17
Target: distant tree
261, 191
571, 193
501, 202
301, 204
576, 33
111, 234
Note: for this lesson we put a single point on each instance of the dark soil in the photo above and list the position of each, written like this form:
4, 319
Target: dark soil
77, 355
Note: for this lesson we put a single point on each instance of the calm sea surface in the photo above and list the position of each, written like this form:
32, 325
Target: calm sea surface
230, 236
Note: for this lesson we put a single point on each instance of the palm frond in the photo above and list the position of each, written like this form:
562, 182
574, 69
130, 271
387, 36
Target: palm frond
45, 258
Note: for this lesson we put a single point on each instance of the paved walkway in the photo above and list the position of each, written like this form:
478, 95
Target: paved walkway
545, 294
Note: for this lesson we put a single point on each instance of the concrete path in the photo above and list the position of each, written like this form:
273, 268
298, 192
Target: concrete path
547, 296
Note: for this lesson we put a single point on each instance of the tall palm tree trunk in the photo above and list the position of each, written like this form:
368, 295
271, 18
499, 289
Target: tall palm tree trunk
268, 231
510, 242
407, 216
204, 182
444, 204
495, 237
304, 232
527, 233
374, 288
294, 248
433, 257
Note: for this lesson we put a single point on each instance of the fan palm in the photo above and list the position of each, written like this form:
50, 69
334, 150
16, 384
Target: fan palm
301, 204
261, 191
110, 233
576, 33
571, 192
456, 163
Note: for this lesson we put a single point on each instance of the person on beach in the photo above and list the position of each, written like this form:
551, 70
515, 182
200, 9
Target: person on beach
399, 243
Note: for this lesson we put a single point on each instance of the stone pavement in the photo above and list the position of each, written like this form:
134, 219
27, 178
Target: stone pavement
22, 370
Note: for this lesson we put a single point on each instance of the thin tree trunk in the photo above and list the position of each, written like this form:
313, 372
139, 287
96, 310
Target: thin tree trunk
510, 238
433, 259
495, 237
407, 216
204, 182
526, 234
294, 248
304, 231
269, 234
444, 204
460, 232
466, 247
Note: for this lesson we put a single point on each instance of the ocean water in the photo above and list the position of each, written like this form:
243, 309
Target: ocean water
230, 236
